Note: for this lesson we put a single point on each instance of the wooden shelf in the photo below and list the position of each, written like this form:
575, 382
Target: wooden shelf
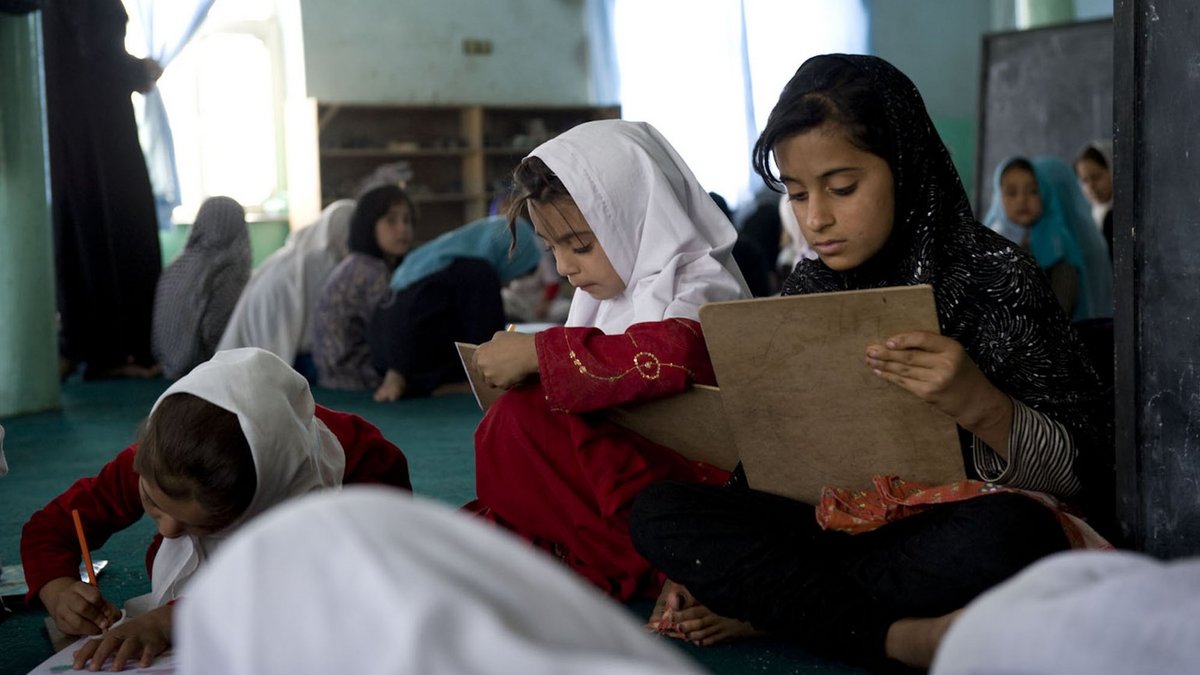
460, 156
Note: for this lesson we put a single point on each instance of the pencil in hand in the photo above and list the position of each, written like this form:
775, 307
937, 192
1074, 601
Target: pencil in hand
83, 547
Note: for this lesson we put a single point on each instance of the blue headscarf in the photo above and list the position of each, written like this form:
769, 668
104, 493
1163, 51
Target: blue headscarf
485, 239
1064, 232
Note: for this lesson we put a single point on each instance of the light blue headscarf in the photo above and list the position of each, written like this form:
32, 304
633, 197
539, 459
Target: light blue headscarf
485, 239
1064, 232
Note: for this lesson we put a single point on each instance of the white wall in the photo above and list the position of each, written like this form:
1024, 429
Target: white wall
410, 51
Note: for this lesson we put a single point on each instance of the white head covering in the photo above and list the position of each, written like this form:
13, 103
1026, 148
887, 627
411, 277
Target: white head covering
666, 238
1081, 612
273, 312
370, 580
294, 452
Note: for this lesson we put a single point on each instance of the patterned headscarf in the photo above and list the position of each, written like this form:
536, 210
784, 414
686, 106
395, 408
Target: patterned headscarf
991, 296
196, 294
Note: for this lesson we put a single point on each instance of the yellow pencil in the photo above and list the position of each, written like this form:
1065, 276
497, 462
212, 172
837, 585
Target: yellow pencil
510, 328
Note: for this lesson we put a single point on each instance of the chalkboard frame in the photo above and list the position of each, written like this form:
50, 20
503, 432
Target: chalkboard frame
984, 162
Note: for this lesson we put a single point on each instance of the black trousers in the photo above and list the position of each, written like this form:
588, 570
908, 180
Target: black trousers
762, 558
415, 330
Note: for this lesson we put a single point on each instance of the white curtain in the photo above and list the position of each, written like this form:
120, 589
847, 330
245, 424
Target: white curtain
167, 26
603, 73
707, 74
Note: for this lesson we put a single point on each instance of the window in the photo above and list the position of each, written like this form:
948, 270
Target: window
223, 94
707, 75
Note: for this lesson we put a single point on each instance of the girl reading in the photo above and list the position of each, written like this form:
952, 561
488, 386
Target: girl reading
645, 246
237, 435
879, 201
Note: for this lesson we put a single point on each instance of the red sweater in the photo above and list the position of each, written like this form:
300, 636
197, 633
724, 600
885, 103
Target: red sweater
109, 501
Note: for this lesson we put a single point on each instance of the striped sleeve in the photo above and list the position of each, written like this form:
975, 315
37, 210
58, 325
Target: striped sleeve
1041, 455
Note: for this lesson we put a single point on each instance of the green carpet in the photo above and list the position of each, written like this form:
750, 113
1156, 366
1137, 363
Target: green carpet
48, 451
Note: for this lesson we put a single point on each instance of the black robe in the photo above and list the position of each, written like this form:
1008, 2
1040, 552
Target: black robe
105, 231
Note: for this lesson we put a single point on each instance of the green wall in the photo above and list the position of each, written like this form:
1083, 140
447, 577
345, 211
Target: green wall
28, 346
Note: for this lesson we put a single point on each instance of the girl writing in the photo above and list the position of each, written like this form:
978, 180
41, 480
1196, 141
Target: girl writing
878, 200
228, 441
381, 233
644, 246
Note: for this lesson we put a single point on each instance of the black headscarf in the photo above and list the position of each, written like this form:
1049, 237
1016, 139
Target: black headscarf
991, 296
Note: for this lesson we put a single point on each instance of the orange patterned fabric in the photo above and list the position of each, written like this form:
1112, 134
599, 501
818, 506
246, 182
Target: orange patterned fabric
892, 498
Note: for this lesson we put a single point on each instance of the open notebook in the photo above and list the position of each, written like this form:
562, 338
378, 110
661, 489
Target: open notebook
804, 409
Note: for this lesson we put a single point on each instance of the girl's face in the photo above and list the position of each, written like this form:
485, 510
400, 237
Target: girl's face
577, 253
843, 196
1096, 181
175, 517
1019, 193
394, 232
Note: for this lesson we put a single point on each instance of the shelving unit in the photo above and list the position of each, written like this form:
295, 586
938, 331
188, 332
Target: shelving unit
460, 157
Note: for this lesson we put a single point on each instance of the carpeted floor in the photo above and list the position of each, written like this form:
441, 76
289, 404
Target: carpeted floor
46, 452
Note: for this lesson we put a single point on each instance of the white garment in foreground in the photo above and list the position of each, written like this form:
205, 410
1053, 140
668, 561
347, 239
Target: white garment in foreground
371, 580
1098, 613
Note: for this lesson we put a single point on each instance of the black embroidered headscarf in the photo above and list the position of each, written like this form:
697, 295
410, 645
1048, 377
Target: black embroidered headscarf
991, 296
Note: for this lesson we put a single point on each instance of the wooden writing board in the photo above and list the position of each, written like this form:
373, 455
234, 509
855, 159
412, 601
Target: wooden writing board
803, 407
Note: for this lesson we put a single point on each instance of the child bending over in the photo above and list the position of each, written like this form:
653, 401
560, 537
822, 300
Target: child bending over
236, 436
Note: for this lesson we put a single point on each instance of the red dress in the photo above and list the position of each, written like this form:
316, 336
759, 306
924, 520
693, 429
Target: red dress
565, 479
110, 502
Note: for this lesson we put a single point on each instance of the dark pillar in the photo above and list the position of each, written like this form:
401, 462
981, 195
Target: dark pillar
1157, 258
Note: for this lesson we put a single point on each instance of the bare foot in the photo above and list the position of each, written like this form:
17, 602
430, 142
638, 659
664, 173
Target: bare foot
392, 388
913, 642
677, 614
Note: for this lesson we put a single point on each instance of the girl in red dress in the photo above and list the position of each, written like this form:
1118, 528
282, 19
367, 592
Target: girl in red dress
645, 246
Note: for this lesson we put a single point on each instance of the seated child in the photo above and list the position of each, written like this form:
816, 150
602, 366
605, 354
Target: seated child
1093, 167
236, 436
644, 246
381, 234
446, 291
879, 201
1038, 206
275, 310
197, 292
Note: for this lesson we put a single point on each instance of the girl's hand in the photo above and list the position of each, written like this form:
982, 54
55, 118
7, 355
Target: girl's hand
142, 638
507, 359
77, 608
938, 370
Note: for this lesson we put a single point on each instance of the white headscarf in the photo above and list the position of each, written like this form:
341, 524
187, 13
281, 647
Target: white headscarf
273, 312
371, 580
666, 238
294, 452
1081, 612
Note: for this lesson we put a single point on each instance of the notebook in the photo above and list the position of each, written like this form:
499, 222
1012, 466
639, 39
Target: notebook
802, 406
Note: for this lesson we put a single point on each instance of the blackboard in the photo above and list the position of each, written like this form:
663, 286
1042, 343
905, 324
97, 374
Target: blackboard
1046, 91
